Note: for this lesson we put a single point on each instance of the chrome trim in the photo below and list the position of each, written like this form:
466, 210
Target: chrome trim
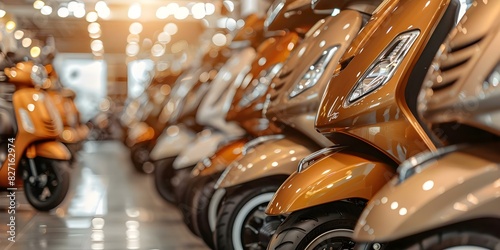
259, 140
320, 154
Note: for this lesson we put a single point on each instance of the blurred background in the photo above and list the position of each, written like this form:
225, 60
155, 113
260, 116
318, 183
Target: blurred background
111, 49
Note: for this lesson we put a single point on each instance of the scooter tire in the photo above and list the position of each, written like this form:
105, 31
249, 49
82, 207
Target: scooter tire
203, 193
445, 239
58, 183
163, 174
186, 201
308, 229
239, 205
139, 154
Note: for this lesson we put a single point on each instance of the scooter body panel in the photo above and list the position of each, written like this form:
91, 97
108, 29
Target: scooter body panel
203, 146
341, 175
272, 158
248, 102
171, 142
455, 187
215, 104
52, 150
221, 159
383, 114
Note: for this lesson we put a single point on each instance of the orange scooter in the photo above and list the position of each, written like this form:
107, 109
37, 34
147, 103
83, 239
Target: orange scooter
31, 155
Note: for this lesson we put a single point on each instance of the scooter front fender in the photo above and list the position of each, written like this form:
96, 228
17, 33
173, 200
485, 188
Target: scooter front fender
140, 133
52, 150
221, 159
338, 176
279, 156
171, 143
454, 187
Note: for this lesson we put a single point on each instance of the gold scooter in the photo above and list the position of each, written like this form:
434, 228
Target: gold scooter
367, 110
294, 101
449, 199
32, 156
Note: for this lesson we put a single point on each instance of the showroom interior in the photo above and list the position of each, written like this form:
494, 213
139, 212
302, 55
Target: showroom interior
249, 124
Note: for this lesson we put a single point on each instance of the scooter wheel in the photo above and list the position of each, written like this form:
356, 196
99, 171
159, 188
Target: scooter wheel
163, 174
49, 188
455, 238
242, 217
140, 156
202, 196
328, 226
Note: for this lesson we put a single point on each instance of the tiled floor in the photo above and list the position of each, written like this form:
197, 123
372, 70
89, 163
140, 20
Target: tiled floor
109, 207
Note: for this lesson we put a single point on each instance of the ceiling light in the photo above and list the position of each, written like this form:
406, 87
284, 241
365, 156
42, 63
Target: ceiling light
91, 16
181, 13
95, 35
132, 49
172, 8
10, 26
133, 38
72, 6
79, 12
198, 10
209, 8
135, 28
104, 14
134, 12
162, 12
157, 50
164, 38
170, 28
96, 45
18, 34
26, 42
101, 5
38, 4
2, 13
63, 12
94, 28
46, 10
35, 51
219, 39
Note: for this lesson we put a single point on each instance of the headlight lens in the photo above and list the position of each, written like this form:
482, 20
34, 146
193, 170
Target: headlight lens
26, 121
260, 88
381, 71
315, 72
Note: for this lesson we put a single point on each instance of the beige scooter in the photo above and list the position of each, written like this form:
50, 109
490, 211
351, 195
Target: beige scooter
449, 199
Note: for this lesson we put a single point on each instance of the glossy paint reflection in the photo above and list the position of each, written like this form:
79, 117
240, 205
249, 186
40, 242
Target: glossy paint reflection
109, 207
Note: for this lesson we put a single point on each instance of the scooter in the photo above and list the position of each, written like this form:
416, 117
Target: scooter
247, 105
209, 113
367, 110
293, 103
63, 101
449, 199
32, 157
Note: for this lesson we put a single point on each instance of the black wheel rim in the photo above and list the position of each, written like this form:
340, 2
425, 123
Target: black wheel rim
337, 239
253, 223
45, 185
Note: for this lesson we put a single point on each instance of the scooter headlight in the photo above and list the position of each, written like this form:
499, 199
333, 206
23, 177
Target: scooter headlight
311, 77
26, 121
260, 88
381, 71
